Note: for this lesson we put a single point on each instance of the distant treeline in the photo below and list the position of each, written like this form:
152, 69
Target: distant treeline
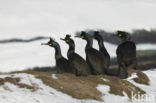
18, 40
138, 36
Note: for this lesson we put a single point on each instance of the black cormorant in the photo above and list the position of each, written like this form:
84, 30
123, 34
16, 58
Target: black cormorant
62, 64
126, 54
94, 57
82, 68
102, 49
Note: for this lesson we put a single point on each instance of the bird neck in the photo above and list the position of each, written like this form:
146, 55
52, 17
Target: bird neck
89, 43
57, 52
71, 49
101, 45
124, 40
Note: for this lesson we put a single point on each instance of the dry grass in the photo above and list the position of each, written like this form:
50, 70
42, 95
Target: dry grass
85, 87
118, 86
71, 85
141, 78
16, 81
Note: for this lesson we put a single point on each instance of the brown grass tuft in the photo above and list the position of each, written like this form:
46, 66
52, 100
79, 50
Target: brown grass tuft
118, 86
74, 86
1, 81
84, 87
142, 77
16, 81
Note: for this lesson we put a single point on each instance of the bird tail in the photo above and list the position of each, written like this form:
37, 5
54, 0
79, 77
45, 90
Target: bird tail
112, 72
123, 72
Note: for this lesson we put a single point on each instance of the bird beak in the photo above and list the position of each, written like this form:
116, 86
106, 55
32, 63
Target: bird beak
115, 34
77, 36
62, 39
82, 37
44, 44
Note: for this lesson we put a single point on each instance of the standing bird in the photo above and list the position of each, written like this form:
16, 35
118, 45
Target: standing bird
126, 54
102, 49
76, 60
62, 64
94, 58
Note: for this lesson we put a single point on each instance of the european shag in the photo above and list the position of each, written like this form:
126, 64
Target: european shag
102, 49
94, 58
126, 54
62, 64
82, 68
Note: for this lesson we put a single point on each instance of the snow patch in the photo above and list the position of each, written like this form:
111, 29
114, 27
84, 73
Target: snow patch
133, 75
111, 98
149, 89
10, 93
54, 76
105, 79
21, 56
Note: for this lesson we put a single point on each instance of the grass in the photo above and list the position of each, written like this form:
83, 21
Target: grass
16, 81
141, 78
77, 87
84, 87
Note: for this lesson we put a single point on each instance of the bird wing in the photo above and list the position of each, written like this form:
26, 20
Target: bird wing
95, 60
80, 64
126, 52
64, 66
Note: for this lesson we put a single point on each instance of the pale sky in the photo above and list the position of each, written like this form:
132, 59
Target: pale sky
42, 17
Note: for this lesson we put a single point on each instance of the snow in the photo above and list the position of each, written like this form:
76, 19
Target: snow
104, 79
146, 46
55, 18
149, 89
20, 56
43, 94
110, 98
54, 76
133, 75
10, 93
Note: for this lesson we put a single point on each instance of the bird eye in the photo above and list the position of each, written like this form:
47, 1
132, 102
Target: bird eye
67, 41
82, 36
120, 35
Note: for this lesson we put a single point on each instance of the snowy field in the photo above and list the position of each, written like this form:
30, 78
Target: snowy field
20, 56
10, 93
55, 18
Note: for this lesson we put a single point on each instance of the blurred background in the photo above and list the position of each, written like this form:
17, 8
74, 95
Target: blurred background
25, 24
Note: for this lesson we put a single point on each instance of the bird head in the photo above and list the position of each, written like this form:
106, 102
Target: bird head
51, 42
97, 35
125, 36
68, 39
83, 35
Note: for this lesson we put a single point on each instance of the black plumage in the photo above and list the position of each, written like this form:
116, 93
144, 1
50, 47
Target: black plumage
82, 68
102, 48
93, 57
62, 64
126, 54
106, 62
